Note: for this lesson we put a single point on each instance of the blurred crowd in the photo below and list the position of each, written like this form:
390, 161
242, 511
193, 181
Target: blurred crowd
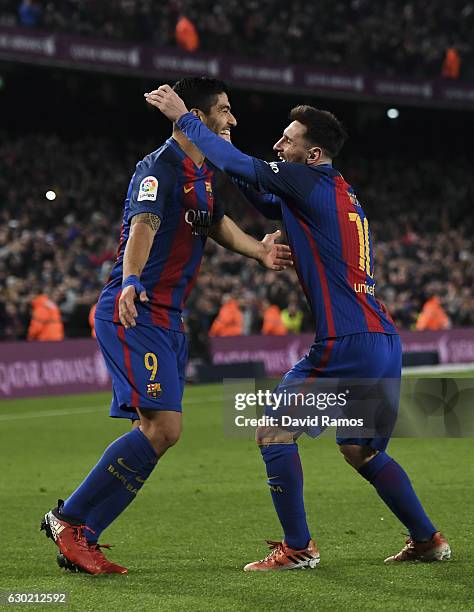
63, 247
413, 37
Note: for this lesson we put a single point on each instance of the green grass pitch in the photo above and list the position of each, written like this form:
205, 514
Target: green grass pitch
206, 511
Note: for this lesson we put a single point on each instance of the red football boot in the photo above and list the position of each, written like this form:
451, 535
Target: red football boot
69, 537
67, 565
436, 549
282, 557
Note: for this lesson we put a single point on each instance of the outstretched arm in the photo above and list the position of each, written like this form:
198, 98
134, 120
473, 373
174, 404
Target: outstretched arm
283, 179
267, 252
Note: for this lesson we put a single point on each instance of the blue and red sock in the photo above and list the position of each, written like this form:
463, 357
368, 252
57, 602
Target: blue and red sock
394, 487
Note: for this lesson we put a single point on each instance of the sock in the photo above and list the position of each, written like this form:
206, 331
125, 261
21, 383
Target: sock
394, 487
105, 513
118, 476
285, 478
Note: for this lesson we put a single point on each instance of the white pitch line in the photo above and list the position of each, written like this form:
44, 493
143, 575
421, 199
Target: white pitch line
48, 413
84, 410
446, 367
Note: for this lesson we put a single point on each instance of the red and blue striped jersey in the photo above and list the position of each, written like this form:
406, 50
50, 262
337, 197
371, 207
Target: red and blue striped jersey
332, 247
327, 230
166, 183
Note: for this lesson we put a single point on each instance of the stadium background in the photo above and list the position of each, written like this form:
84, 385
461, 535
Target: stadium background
81, 134
78, 129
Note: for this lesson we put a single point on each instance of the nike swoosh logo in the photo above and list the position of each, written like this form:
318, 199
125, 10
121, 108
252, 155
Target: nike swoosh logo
188, 189
272, 477
121, 462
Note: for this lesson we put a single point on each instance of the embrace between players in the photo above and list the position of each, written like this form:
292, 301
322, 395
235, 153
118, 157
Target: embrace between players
174, 202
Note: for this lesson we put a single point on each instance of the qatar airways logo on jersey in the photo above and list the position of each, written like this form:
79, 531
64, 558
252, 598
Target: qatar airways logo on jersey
199, 220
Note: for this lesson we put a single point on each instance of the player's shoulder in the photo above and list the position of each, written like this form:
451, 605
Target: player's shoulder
326, 177
325, 170
163, 159
312, 172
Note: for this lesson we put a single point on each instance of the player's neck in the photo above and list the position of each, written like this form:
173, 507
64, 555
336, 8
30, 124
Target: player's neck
188, 147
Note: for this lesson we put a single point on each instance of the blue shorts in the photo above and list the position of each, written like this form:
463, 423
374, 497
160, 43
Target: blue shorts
355, 361
147, 365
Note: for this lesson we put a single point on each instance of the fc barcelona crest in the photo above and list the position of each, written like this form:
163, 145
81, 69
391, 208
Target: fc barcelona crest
154, 390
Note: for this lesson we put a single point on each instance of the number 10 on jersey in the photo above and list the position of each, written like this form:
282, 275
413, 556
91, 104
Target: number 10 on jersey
364, 242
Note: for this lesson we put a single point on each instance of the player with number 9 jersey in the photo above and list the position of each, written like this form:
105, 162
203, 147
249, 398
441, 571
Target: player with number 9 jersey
148, 361
170, 209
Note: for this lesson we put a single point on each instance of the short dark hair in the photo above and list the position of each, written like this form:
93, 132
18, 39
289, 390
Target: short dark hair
199, 92
323, 129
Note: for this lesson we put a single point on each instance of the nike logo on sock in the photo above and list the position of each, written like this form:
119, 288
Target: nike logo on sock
121, 462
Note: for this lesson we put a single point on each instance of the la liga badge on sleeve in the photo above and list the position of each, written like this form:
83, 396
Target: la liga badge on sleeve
148, 189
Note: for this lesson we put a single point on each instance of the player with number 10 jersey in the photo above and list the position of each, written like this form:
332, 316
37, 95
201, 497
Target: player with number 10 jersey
356, 339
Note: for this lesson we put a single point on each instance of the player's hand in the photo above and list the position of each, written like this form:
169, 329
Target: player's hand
168, 101
275, 256
132, 290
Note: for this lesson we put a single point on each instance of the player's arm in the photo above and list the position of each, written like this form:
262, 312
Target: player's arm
143, 228
287, 180
148, 194
267, 252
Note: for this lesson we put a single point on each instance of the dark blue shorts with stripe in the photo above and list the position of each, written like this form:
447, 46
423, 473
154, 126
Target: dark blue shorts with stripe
365, 368
147, 366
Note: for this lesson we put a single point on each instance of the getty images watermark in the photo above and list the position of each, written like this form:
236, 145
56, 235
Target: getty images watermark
362, 408
273, 402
